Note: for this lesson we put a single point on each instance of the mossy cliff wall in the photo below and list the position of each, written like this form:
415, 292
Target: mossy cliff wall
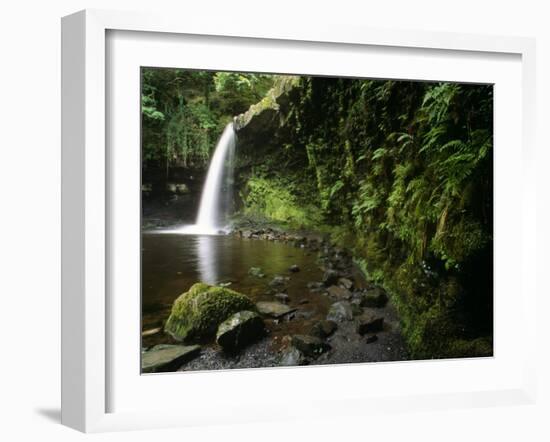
401, 172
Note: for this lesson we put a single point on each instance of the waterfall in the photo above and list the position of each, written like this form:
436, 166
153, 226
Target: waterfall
212, 216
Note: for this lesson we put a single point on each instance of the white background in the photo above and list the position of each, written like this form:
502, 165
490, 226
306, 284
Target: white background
30, 219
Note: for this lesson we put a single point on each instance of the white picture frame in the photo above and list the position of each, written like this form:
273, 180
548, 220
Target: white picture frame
86, 317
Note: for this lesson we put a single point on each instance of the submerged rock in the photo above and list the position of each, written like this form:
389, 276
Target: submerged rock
279, 281
162, 358
310, 345
197, 313
340, 311
257, 272
239, 330
370, 324
282, 297
274, 309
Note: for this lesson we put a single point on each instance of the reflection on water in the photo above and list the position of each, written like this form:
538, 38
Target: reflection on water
173, 263
207, 259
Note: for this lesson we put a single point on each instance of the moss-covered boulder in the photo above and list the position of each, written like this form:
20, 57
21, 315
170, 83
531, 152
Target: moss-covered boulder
197, 313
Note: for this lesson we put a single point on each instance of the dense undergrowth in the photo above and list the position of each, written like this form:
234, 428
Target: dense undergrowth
402, 173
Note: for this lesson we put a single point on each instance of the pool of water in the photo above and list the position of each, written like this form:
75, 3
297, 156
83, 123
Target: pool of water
171, 263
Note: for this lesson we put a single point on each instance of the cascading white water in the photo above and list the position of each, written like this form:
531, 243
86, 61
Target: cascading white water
209, 215
210, 220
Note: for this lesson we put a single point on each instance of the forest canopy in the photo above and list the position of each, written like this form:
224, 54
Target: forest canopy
184, 112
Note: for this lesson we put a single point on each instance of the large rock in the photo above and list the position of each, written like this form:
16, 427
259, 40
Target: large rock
310, 345
163, 358
340, 312
239, 330
197, 313
274, 309
375, 298
370, 324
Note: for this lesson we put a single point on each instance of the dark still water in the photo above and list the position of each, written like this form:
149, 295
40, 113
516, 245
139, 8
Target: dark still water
171, 263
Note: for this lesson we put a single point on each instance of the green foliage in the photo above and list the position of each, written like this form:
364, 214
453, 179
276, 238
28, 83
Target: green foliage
274, 199
405, 169
184, 112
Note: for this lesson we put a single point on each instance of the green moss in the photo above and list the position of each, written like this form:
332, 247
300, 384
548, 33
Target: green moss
197, 313
270, 198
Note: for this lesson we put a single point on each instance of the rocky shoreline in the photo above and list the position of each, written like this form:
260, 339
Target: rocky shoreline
361, 325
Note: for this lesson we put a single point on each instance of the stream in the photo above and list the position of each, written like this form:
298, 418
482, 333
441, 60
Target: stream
172, 263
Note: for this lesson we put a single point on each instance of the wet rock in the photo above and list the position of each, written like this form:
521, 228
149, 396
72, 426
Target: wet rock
315, 286
371, 339
311, 346
151, 332
340, 311
274, 309
370, 324
162, 358
346, 283
323, 329
257, 272
291, 356
197, 313
330, 277
294, 268
239, 330
339, 292
282, 297
279, 281
375, 298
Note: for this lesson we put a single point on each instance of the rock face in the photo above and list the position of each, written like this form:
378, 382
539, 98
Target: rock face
274, 309
197, 313
259, 124
239, 330
163, 358
310, 345
340, 312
